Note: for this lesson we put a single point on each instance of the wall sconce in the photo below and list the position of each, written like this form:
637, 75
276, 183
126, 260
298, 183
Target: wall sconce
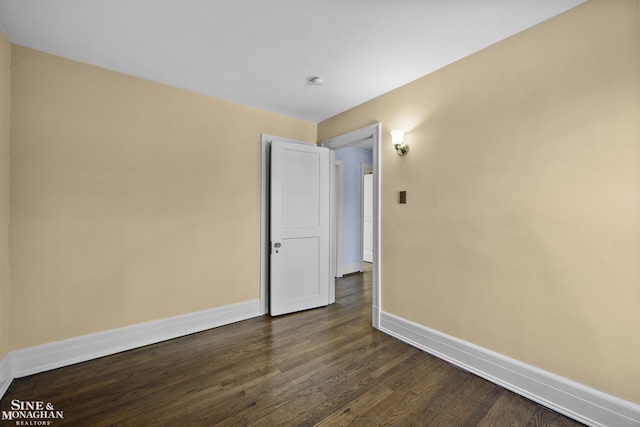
397, 136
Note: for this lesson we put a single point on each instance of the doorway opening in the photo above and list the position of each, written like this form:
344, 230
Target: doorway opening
365, 137
353, 208
369, 134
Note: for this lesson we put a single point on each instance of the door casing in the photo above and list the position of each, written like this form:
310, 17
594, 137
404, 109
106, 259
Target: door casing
364, 170
372, 132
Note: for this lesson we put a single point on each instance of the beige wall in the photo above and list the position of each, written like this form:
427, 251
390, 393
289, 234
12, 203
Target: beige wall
5, 84
132, 201
522, 232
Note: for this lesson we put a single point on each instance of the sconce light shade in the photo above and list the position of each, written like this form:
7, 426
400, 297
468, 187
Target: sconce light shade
397, 136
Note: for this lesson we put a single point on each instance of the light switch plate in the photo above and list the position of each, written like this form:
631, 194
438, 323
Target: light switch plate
403, 197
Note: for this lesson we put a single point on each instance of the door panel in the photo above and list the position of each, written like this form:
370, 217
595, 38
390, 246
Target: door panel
299, 227
302, 279
300, 189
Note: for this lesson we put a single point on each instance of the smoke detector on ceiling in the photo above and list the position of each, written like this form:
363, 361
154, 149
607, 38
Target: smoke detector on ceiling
317, 81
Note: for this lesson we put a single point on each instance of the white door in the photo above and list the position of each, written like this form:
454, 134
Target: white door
299, 261
367, 220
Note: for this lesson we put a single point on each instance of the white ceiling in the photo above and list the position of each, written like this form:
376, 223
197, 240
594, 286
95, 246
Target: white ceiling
261, 52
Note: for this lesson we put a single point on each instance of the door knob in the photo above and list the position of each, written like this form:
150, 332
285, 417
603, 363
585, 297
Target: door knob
277, 245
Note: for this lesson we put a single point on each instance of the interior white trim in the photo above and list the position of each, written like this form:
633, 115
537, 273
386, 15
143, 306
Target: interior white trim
351, 138
45, 357
355, 267
336, 212
6, 374
265, 174
364, 168
372, 132
577, 401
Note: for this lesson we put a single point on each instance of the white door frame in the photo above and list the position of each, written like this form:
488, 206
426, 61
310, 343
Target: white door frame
370, 132
364, 168
336, 211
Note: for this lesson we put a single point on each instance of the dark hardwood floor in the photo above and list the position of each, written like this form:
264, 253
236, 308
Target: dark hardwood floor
324, 367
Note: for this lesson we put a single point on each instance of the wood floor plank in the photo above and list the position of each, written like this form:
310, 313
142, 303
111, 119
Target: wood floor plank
413, 382
485, 405
451, 405
542, 417
354, 410
325, 367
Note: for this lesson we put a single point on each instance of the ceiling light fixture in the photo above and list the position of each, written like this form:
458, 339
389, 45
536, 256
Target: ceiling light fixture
317, 81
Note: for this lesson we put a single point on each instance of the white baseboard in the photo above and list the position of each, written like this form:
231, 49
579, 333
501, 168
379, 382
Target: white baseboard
562, 395
6, 374
349, 268
57, 354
